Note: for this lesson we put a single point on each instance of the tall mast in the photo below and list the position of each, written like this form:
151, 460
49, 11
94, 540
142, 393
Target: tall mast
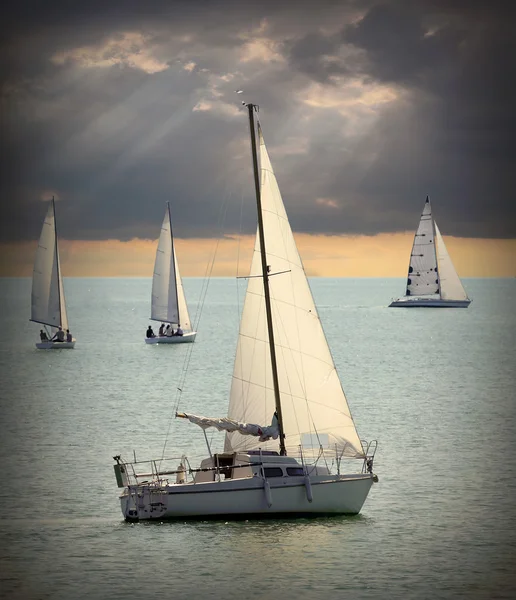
251, 108
173, 257
57, 265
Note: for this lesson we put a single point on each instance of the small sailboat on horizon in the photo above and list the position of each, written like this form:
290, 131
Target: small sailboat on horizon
432, 280
48, 306
168, 302
284, 375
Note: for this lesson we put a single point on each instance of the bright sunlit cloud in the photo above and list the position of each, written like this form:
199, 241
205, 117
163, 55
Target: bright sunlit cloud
130, 49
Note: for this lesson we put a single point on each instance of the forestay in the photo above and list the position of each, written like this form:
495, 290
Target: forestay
47, 298
423, 278
168, 299
451, 286
313, 403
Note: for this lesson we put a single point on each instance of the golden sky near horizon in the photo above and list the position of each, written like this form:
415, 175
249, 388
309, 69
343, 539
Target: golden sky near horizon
383, 255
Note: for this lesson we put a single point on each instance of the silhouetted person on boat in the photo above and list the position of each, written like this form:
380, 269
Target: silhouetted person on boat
59, 336
161, 329
68, 336
150, 333
179, 331
43, 336
169, 332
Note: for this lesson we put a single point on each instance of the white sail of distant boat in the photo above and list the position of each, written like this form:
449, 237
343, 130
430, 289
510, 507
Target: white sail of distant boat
432, 280
168, 302
48, 306
288, 422
451, 285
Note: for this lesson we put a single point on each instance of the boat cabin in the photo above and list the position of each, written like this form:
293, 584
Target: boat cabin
239, 465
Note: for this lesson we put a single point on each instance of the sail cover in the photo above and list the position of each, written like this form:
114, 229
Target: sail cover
47, 298
313, 403
224, 424
168, 299
451, 286
423, 278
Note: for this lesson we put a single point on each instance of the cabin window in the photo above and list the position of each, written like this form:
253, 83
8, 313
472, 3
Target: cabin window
273, 472
293, 471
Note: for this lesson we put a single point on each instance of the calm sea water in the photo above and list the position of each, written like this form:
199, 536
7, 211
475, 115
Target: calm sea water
434, 386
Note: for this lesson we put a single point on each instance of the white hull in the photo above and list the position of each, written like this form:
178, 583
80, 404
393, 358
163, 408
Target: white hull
330, 494
55, 345
407, 302
175, 339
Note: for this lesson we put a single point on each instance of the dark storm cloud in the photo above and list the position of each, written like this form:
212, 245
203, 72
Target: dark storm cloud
116, 141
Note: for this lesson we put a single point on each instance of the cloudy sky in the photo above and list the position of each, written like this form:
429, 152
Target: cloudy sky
366, 107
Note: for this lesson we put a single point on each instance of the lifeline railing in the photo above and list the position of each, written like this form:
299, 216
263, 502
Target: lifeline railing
156, 475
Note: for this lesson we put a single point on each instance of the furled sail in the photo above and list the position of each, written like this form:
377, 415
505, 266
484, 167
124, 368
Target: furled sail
47, 298
314, 408
451, 285
225, 424
423, 277
168, 299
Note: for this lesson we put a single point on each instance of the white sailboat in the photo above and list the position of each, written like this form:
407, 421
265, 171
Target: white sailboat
283, 375
48, 306
168, 304
432, 279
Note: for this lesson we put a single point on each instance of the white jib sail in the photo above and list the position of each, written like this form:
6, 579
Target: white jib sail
314, 408
168, 299
181, 300
422, 279
47, 299
451, 285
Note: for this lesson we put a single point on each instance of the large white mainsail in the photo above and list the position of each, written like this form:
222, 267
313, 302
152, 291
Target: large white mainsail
451, 285
47, 299
168, 298
423, 277
314, 408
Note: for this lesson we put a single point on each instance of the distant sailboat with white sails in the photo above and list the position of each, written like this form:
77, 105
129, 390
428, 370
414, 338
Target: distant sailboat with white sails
48, 306
432, 280
168, 302
289, 428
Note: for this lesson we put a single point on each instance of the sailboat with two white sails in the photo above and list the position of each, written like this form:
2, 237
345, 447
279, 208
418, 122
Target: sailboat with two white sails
168, 302
432, 280
48, 306
284, 375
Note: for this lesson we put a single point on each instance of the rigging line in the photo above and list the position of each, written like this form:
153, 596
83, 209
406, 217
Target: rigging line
239, 308
245, 395
188, 354
200, 308
205, 281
